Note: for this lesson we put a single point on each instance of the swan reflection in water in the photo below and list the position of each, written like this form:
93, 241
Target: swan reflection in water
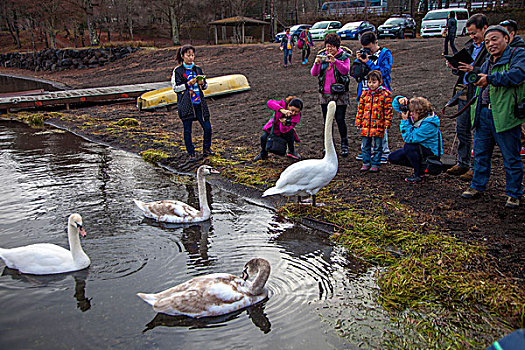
80, 277
255, 313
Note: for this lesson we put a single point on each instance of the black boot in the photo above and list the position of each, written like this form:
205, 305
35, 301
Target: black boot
344, 147
262, 155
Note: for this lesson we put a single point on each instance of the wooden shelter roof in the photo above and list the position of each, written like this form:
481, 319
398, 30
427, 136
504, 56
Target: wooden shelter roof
233, 21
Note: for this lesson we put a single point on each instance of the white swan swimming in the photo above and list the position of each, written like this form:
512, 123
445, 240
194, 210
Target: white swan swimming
46, 258
172, 211
308, 176
215, 294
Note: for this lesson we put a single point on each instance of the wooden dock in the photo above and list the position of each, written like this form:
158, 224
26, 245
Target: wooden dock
67, 97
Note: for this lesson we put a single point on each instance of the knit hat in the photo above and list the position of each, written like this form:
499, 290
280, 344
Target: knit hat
498, 28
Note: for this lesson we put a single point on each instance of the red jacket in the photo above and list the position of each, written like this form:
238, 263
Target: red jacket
374, 113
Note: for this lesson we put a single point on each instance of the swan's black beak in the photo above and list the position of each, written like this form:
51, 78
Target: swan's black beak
81, 229
214, 171
245, 275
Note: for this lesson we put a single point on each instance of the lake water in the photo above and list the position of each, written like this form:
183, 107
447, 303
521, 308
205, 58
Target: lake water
14, 84
47, 175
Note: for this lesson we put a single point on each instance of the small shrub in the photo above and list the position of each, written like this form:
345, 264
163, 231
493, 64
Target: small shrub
153, 155
128, 122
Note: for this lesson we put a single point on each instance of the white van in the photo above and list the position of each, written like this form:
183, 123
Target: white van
435, 21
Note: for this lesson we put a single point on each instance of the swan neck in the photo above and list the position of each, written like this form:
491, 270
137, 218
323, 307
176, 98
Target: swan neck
260, 280
203, 200
74, 242
328, 137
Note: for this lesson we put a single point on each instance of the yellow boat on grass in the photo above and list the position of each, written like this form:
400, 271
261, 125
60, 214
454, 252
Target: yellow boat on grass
227, 84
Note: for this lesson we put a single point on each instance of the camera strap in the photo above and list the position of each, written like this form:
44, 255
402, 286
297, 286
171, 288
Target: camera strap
453, 101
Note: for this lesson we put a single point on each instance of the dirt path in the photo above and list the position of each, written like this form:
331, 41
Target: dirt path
418, 70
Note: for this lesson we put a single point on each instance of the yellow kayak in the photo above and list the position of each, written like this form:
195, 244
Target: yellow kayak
227, 84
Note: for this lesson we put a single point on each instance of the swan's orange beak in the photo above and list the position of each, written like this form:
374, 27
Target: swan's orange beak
214, 171
81, 230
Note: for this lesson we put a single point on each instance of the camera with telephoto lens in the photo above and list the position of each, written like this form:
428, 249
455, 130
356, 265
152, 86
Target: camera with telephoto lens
403, 108
472, 77
364, 53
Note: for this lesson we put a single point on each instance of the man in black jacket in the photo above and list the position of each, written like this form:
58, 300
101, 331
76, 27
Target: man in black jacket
512, 28
452, 28
476, 26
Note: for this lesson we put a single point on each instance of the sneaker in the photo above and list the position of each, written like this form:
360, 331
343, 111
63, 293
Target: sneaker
467, 176
457, 170
374, 169
365, 167
306, 60
359, 157
344, 149
285, 65
522, 152
414, 179
207, 153
471, 193
293, 155
384, 160
512, 202
261, 156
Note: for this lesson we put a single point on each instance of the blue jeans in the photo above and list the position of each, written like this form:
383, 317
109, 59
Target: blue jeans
485, 138
464, 133
410, 156
287, 56
206, 127
366, 150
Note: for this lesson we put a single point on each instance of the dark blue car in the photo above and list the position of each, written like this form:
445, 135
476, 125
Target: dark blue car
294, 30
353, 30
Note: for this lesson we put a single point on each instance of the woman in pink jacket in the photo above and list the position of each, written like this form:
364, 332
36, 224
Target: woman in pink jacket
331, 66
287, 115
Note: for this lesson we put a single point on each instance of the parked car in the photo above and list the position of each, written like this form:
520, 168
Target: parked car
397, 26
435, 21
353, 30
320, 29
294, 30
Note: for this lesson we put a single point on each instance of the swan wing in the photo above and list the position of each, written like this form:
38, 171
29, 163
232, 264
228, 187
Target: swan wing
305, 177
210, 295
38, 259
169, 211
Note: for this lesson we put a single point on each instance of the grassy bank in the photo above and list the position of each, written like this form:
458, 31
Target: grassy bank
446, 292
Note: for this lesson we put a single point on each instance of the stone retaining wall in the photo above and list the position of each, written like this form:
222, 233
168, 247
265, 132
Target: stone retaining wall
62, 59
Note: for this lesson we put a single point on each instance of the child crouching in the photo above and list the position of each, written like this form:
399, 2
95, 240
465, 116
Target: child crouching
374, 116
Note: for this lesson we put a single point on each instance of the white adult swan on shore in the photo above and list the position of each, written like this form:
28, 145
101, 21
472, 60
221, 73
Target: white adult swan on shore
46, 258
308, 176
172, 211
215, 294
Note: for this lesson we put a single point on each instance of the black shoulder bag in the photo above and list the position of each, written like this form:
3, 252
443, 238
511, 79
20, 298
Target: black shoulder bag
432, 164
275, 144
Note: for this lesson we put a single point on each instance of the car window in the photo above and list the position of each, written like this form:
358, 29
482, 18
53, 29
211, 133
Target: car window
320, 25
462, 15
435, 15
351, 25
395, 21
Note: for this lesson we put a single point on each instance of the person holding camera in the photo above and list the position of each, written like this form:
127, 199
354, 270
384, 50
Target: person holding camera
420, 131
498, 114
188, 83
287, 44
450, 33
287, 115
515, 41
374, 116
373, 57
476, 26
332, 66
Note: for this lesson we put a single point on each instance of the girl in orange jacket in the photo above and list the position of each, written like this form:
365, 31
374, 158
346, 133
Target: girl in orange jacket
374, 116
